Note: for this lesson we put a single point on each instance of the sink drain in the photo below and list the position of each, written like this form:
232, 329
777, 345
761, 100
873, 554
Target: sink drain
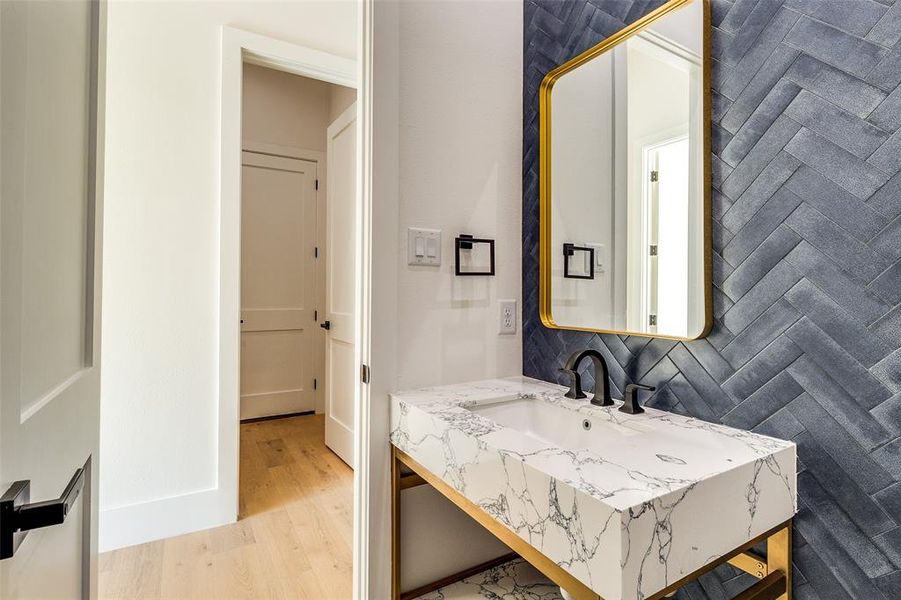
586, 424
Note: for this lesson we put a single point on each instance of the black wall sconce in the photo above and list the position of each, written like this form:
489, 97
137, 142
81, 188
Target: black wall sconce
569, 250
465, 242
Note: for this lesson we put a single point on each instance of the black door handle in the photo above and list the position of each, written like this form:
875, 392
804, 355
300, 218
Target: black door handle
18, 517
327, 325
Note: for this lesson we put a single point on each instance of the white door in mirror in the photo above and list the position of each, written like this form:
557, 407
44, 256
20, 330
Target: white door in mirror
507, 316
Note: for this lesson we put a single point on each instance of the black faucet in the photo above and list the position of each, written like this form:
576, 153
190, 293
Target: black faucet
630, 399
601, 377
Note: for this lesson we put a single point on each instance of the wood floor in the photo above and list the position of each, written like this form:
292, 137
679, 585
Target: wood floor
293, 538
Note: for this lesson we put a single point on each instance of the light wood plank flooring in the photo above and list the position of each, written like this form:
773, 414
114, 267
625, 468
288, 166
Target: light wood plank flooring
293, 539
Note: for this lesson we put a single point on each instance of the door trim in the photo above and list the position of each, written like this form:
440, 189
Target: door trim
238, 47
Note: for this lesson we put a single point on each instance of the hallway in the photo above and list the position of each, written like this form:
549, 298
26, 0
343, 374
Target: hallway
293, 539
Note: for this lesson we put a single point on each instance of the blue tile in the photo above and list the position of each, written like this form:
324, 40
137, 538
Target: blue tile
826, 236
889, 326
848, 581
888, 371
765, 292
889, 456
887, 32
889, 414
701, 381
764, 402
848, 131
848, 422
760, 262
764, 115
767, 58
890, 500
750, 31
770, 144
841, 326
887, 200
841, 286
843, 208
737, 14
887, 114
888, 241
771, 361
888, 156
775, 320
781, 423
842, 367
712, 361
770, 216
835, 47
857, 17
690, 399
773, 176
855, 175
868, 515
887, 74
836, 86
859, 546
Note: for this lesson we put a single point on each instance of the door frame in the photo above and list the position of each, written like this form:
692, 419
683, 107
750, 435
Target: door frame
239, 47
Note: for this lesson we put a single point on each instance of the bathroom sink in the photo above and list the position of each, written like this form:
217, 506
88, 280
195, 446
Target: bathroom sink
626, 504
557, 425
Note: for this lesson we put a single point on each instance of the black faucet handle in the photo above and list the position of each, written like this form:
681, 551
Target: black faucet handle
630, 398
575, 388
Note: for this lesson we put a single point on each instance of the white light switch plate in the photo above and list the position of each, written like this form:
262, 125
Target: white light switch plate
507, 317
423, 246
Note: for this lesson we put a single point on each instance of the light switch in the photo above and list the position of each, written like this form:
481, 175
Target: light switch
423, 247
600, 256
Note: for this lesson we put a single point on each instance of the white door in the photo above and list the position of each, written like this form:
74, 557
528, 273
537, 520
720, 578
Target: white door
278, 285
50, 168
340, 366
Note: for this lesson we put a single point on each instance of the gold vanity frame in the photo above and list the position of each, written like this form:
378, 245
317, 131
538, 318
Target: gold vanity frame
773, 572
544, 94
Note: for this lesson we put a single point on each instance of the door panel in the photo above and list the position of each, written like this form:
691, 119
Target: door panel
278, 287
50, 207
341, 365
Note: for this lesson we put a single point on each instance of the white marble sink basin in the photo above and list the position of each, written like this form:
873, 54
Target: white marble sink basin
628, 506
558, 425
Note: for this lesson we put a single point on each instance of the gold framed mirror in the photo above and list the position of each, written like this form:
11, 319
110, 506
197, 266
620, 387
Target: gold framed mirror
625, 190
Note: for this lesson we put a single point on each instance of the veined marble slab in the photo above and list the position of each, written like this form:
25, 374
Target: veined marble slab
515, 580
666, 495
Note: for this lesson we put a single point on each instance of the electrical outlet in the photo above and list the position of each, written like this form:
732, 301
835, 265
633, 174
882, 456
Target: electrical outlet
507, 316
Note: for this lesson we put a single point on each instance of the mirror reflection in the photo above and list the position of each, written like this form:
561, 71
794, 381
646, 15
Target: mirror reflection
624, 193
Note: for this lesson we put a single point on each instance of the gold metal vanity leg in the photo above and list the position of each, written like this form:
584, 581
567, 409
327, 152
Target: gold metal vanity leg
395, 524
779, 557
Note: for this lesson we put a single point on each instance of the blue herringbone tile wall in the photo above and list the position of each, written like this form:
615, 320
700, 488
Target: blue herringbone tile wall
807, 265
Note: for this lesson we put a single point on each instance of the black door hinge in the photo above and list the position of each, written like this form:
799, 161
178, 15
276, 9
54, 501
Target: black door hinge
315, 383
655, 175
652, 320
316, 252
317, 184
653, 250
364, 373
315, 315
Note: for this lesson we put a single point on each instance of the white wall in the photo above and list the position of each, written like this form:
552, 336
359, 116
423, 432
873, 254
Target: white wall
289, 110
159, 399
460, 152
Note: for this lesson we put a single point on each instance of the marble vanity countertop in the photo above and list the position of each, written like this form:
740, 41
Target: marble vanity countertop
666, 495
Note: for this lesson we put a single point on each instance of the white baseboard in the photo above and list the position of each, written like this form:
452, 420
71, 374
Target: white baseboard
163, 518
